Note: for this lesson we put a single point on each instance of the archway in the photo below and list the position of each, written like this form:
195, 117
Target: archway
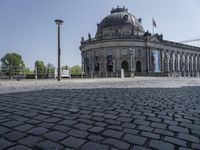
138, 66
125, 66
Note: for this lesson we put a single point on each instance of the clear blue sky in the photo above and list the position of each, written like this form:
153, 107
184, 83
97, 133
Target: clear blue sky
27, 26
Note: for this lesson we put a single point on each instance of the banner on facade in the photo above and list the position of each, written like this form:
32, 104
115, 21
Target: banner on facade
156, 61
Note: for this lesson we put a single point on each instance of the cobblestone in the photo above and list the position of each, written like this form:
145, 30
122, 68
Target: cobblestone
73, 142
112, 133
94, 146
134, 139
4, 143
116, 143
161, 145
101, 118
175, 141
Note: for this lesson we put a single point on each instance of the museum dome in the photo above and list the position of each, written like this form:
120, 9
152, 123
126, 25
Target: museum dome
119, 22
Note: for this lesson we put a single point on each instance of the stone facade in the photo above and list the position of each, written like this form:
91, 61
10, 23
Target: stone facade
122, 43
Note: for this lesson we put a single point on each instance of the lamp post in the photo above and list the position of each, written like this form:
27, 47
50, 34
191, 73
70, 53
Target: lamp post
59, 23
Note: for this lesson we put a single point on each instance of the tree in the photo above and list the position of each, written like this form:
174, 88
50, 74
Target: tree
75, 70
28, 71
40, 68
50, 68
12, 64
65, 67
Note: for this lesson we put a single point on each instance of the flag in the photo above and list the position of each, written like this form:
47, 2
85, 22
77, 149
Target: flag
153, 22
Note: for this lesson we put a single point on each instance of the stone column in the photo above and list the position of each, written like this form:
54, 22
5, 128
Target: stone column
178, 63
188, 63
183, 63
192, 63
173, 62
162, 61
195, 63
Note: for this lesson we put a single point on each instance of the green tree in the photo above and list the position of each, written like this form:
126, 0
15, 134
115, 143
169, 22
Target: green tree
75, 70
12, 64
41, 69
65, 67
50, 68
28, 71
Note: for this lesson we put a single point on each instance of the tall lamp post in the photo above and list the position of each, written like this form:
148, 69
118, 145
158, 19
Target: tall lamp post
59, 23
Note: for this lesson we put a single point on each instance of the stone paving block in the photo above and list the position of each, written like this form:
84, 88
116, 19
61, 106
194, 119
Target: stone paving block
196, 146
73, 142
183, 120
134, 139
82, 126
31, 141
96, 129
130, 131
142, 122
98, 114
157, 144
97, 119
175, 141
170, 122
95, 138
48, 145
128, 125
61, 128
114, 127
114, 122
52, 120
154, 119
189, 137
116, 143
109, 116
68, 122
139, 148
78, 133
101, 124
190, 126
37, 131
34, 121
183, 148
4, 143
55, 135
164, 132
12, 124
144, 128
124, 119
24, 127
139, 117
87, 121
150, 135
73, 110
178, 129
159, 125
165, 117
112, 133
19, 147
14, 135
125, 115
94, 146
3, 130
46, 125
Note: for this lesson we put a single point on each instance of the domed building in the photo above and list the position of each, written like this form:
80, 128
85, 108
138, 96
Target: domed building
121, 46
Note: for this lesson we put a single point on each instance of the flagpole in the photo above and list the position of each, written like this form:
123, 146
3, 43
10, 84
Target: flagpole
152, 27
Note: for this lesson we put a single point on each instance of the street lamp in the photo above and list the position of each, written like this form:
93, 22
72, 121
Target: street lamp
59, 23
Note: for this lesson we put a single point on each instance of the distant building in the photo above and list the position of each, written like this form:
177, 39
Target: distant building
122, 43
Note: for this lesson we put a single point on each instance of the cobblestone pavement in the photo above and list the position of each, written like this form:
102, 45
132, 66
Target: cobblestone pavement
101, 119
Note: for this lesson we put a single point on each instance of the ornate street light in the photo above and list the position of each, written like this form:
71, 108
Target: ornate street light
59, 23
